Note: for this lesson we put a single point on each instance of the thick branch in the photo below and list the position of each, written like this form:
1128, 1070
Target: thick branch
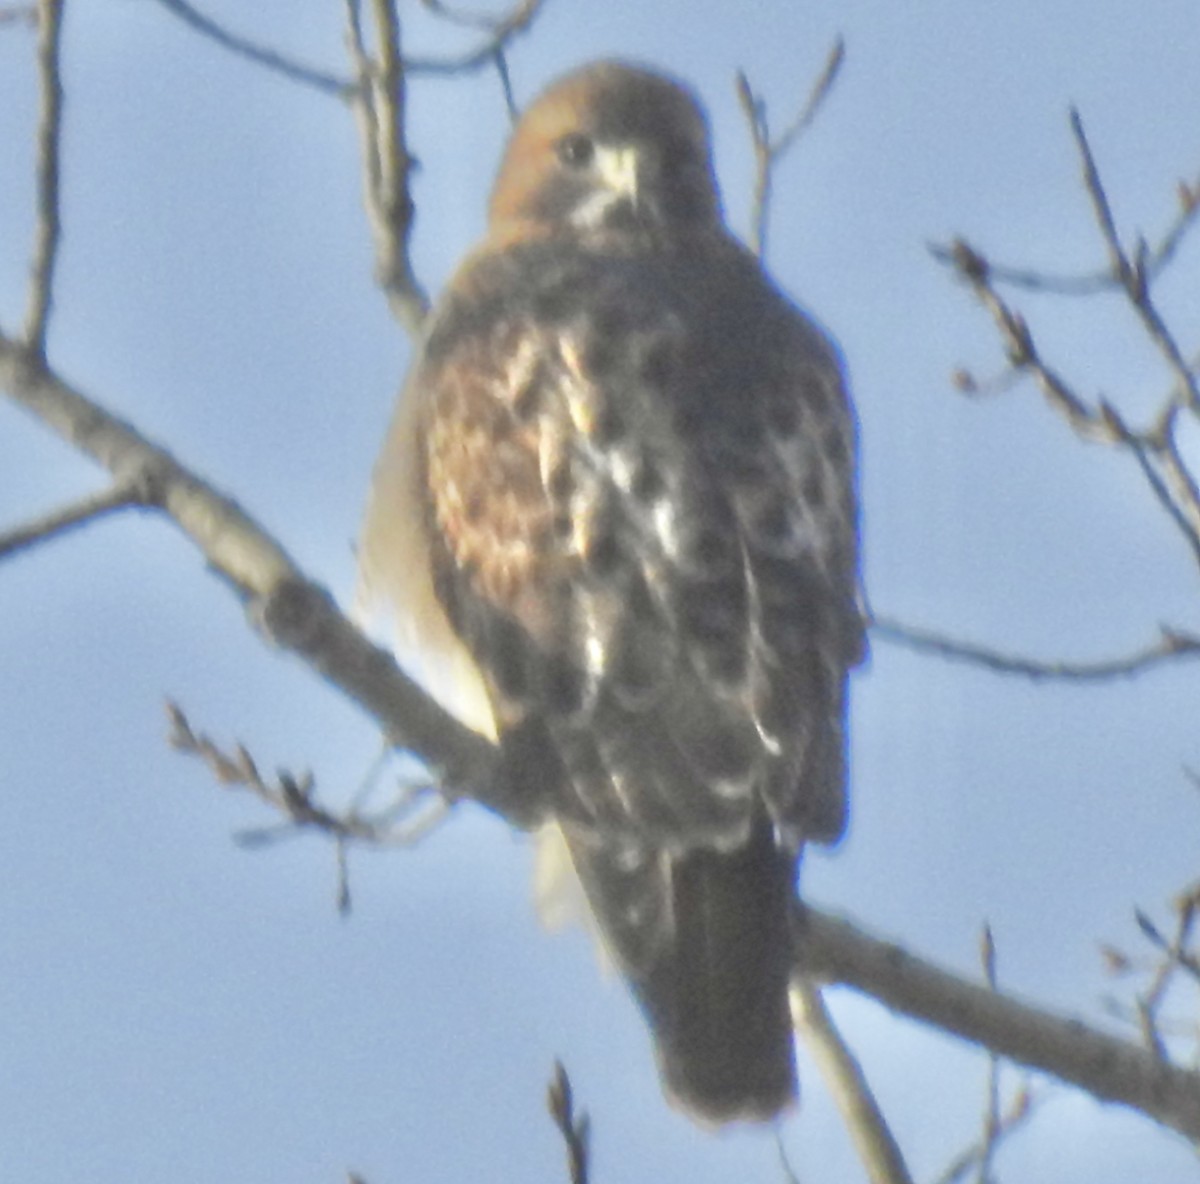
288, 608
1108, 1068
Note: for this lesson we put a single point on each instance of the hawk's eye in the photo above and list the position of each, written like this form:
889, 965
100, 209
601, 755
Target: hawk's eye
575, 150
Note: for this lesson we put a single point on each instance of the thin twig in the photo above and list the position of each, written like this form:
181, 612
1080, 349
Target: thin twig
1019, 1112
48, 232
576, 1131
873, 1140
1176, 955
768, 151
502, 30
1174, 488
294, 796
506, 86
991, 1109
1020, 346
1171, 645
1133, 272
1103, 280
252, 51
118, 496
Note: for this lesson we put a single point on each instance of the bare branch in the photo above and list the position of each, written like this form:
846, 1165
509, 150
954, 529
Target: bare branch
387, 165
252, 51
501, 30
294, 796
48, 231
873, 1139
285, 606
991, 1109
1019, 344
1019, 1112
1164, 470
1171, 645
1176, 955
118, 496
1106, 1067
767, 151
1157, 258
576, 1132
1133, 273
1155, 450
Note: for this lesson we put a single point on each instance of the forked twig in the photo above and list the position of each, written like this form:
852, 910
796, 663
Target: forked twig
769, 151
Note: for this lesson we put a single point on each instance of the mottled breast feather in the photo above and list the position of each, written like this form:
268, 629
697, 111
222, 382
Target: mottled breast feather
643, 521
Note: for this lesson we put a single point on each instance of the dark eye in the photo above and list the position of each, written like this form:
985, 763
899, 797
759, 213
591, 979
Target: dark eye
575, 150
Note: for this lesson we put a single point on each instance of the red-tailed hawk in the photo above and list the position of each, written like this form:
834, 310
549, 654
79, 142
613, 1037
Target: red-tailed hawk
616, 514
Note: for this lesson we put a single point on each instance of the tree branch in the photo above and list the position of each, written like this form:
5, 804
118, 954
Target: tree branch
1106, 1067
379, 107
844, 1079
575, 1130
1171, 645
769, 151
1133, 273
48, 233
286, 607
501, 30
1019, 1112
118, 496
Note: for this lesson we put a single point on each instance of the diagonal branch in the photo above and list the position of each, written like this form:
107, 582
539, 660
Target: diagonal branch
118, 496
1133, 273
1108, 1068
844, 1079
286, 607
1154, 449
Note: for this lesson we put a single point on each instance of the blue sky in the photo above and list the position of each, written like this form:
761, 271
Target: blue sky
175, 1007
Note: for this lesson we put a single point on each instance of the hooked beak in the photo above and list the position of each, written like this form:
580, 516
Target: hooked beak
618, 168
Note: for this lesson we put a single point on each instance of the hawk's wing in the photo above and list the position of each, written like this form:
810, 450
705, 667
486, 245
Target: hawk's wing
641, 514
639, 506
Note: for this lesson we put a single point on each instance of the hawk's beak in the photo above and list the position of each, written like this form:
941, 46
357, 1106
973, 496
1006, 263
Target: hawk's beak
618, 167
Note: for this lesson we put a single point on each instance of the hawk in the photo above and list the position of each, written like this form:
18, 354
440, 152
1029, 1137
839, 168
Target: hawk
615, 516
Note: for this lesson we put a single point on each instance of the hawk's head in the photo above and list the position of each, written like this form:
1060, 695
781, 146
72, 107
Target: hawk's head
609, 147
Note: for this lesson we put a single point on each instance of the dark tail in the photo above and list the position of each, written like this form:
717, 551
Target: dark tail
704, 939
